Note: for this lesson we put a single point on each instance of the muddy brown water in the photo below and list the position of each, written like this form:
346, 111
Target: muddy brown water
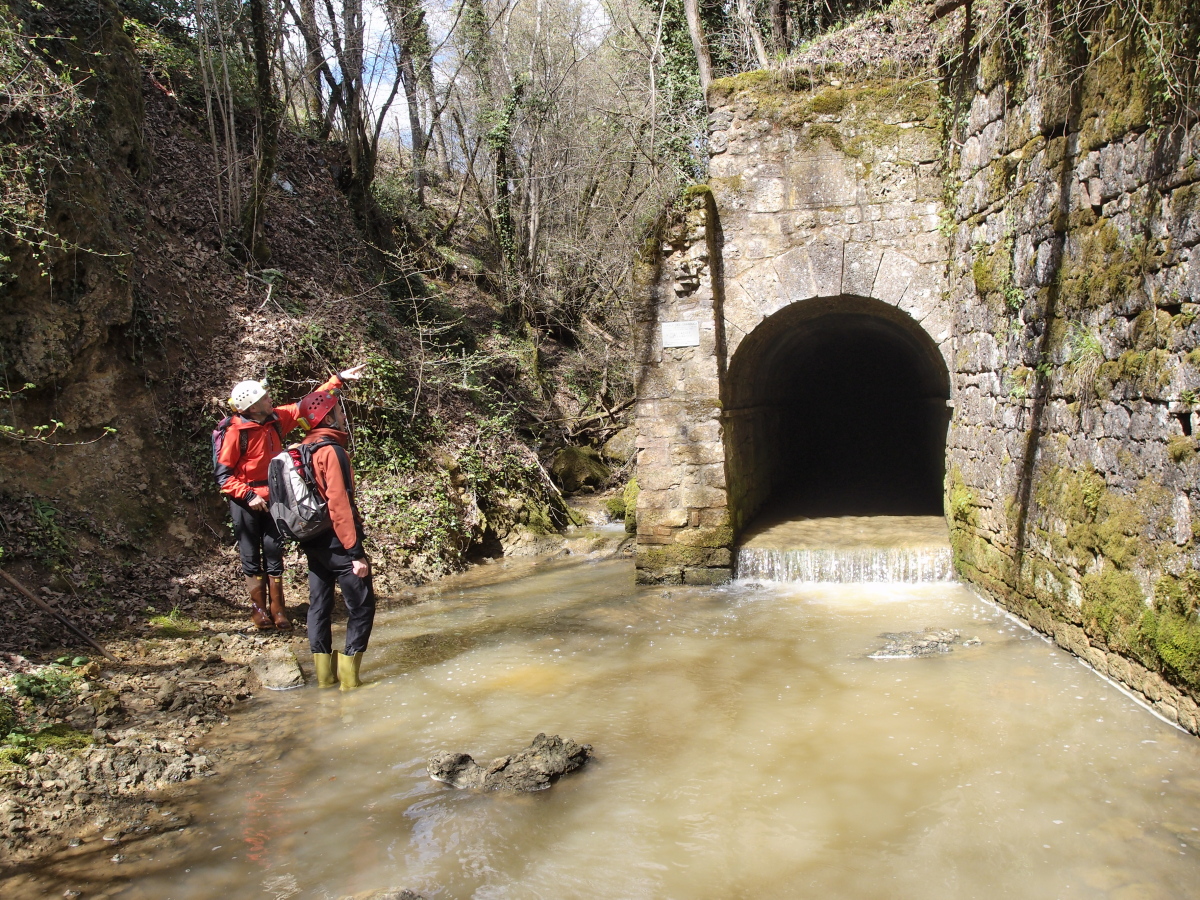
746, 746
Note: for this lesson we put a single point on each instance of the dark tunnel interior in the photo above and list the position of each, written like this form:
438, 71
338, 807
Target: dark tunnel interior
837, 410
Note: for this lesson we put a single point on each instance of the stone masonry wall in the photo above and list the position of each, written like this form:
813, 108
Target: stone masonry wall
823, 194
683, 533
1044, 236
1074, 280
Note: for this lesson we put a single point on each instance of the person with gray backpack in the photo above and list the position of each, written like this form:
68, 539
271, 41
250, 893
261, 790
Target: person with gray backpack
242, 446
312, 501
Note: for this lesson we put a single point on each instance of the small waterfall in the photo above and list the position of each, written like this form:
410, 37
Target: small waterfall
909, 565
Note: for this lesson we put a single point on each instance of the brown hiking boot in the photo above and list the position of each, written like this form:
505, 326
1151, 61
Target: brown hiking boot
278, 610
258, 603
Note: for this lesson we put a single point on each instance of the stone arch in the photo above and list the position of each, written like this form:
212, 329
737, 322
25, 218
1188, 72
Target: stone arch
837, 405
829, 267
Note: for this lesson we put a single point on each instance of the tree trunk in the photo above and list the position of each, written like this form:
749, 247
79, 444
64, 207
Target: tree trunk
253, 233
699, 45
313, 100
408, 77
779, 26
746, 14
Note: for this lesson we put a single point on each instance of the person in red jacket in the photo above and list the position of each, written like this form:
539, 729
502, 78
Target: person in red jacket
336, 555
252, 435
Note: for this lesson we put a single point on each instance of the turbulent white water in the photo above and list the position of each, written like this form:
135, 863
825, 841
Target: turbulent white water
918, 565
849, 550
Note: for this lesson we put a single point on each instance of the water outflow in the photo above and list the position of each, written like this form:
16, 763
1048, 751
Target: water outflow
849, 550
919, 565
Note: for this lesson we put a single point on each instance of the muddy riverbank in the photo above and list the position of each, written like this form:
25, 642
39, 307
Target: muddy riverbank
101, 754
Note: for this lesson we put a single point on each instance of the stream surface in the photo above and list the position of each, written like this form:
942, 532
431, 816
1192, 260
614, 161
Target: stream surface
746, 746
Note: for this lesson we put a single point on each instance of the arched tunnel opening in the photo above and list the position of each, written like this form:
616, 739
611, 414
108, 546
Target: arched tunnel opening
836, 408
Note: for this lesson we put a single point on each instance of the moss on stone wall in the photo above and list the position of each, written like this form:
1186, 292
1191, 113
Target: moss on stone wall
1145, 370
673, 556
798, 103
1100, 270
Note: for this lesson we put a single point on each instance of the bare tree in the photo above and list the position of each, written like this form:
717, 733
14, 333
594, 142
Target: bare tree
253, 236
691, 9
779, 26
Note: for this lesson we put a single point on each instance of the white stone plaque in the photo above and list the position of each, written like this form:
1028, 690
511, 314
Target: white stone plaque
681, 334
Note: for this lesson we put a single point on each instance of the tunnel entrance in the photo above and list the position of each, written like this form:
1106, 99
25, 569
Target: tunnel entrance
836, 408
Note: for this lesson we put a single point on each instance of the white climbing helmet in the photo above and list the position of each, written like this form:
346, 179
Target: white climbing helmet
246, 393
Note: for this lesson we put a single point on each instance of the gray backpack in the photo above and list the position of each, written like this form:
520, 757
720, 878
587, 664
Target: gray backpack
296, 505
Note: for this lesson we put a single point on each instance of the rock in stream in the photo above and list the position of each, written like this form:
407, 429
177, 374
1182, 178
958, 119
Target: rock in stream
533, 769
914, 644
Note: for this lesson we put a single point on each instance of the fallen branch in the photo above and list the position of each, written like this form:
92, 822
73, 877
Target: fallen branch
537, 462
20, 588
583, 424
944, 9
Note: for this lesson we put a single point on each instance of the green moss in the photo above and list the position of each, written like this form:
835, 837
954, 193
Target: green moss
710, 536
676, 555
1102, 270
1002, 174
1169, 633
8, 717
822, 132
1099, 522
1193, 358
755, 82
733, 184
1146, 370
993, 66
537, 518
797, 102
1056, 152
990, 271
1181, 448
1113, 605
173, 624
578, 467
829, 102
615, 507
630, 498
695, 195
1152, 329
960, 502
61, 737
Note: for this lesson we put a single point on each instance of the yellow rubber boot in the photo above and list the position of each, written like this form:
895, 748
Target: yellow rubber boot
347, 670
326, 671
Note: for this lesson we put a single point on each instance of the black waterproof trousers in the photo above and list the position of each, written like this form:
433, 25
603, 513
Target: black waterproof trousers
327, 563
257, 539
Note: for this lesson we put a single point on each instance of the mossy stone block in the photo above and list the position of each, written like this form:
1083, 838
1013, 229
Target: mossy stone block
707, 576
718, 536
679, 556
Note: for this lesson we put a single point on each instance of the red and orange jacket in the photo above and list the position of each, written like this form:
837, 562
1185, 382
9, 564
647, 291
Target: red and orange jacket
331, 481
241, 473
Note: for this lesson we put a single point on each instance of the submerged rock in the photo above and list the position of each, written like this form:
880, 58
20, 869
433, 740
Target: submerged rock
913, 644
533, 769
